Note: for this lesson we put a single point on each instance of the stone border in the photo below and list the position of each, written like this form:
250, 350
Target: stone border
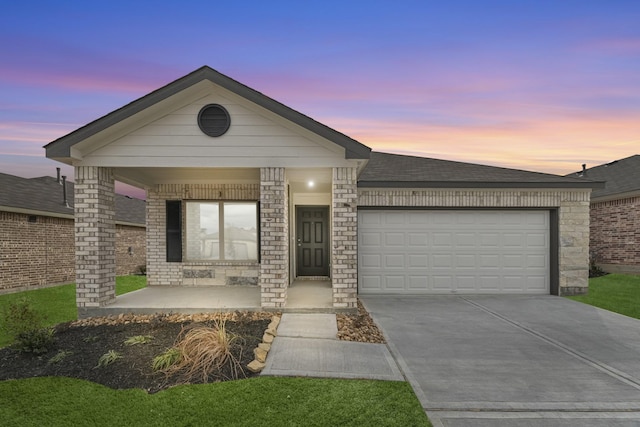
262, 351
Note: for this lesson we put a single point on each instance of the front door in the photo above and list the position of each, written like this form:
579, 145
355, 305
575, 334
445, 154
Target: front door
312, 239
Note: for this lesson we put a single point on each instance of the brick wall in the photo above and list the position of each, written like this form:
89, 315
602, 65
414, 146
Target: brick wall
41, 253
190, 273
573, 218
615, 234
344, 238
94, 209
131, 253
274, 241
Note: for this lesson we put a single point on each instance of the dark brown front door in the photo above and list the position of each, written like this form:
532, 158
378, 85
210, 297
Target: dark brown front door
312, 237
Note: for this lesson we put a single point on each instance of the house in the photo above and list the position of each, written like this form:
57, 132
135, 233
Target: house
244, 191
615, 215
37, 229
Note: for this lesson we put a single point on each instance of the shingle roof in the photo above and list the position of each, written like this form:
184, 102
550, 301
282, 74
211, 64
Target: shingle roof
620, 176
61, 148
395, 170
45, 194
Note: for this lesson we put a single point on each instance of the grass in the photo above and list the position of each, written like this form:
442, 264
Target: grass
614, 292
262, 401
58, 304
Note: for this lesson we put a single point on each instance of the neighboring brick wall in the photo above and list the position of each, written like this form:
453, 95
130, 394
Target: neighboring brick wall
274, 241
130, 261
344, 238
42, 253
35, 254
615, 234
573, 218
161, 272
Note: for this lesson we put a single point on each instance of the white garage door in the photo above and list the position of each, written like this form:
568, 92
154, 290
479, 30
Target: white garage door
453, 251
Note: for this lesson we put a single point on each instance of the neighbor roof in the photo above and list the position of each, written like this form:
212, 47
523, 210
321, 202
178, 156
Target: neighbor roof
61, 148
44, 195
620, 176
395, 170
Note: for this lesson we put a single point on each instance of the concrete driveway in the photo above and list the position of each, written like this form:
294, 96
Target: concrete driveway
514, 360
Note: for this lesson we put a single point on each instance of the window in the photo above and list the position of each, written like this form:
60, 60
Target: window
222, 231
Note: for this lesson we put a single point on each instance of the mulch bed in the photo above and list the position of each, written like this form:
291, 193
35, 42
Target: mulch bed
86, 340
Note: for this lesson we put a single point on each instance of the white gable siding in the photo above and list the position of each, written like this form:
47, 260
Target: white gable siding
256, 138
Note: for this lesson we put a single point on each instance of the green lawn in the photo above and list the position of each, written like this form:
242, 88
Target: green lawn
614, 292
262, 401
58, 304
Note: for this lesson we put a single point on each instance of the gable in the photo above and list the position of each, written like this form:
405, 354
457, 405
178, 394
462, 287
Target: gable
161, 129
256, 137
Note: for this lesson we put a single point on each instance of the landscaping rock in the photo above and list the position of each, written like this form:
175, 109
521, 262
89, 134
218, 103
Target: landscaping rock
260, 354
255, 366
263, 345
267, 338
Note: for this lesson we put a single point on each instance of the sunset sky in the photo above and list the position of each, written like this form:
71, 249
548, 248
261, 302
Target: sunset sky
542, 85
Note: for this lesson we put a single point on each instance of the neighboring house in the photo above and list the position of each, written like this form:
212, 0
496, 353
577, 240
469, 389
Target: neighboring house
615, 215
37, 247
217, 157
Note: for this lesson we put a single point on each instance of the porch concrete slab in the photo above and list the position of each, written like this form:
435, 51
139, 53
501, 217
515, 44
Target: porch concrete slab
188, 299
297, 325
311, 357
514, 361
309, 296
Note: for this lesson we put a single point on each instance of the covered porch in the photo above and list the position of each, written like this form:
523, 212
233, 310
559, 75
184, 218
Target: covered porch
304, 296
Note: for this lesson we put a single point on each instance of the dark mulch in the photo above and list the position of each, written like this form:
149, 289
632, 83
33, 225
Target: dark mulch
86, 344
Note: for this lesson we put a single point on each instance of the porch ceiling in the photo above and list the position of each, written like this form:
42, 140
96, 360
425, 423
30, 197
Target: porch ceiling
299, 179
148, 177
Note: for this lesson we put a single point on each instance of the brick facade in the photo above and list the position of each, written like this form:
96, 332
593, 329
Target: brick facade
193, 273
573, 218
40, 252
274, 238
615, 235
344, 238
95, 236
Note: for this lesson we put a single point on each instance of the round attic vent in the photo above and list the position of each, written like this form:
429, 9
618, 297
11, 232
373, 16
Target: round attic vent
214, 120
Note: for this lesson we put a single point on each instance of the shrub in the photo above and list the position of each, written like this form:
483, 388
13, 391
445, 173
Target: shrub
108, 358
138, 339
203, 350
26, 327
167, 359
59, 357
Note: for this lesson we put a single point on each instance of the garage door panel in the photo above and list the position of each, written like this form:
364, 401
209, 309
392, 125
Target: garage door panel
394, 261
466, 283
442, 261
449, 251
418, 283
418, 261
537, 261
513, 240
395, 282
442, 240
370, 282
442, 283
394, 239
370, 239
420, 240
371, 261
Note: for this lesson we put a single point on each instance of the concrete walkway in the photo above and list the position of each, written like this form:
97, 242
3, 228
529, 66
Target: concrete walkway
307, 346
514, 360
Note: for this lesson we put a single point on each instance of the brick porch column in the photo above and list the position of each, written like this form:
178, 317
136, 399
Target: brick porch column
344, 238
95, 234
274, 241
